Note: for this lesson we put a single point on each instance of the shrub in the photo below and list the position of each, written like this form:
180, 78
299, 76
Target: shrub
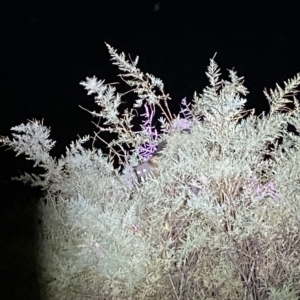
221, 221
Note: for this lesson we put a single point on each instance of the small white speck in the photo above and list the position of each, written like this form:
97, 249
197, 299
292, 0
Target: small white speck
156, 7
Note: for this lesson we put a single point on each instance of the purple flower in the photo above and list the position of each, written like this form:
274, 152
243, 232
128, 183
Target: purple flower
267, 190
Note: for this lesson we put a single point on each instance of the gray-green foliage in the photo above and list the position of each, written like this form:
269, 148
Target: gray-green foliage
220, 221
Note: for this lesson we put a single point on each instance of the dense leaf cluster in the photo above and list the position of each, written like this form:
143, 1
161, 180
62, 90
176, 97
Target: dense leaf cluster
219, 222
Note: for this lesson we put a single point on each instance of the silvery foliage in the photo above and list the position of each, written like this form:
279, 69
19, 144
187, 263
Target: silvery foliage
105, 237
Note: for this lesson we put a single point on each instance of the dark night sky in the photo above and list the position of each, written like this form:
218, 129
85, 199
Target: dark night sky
48, 47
